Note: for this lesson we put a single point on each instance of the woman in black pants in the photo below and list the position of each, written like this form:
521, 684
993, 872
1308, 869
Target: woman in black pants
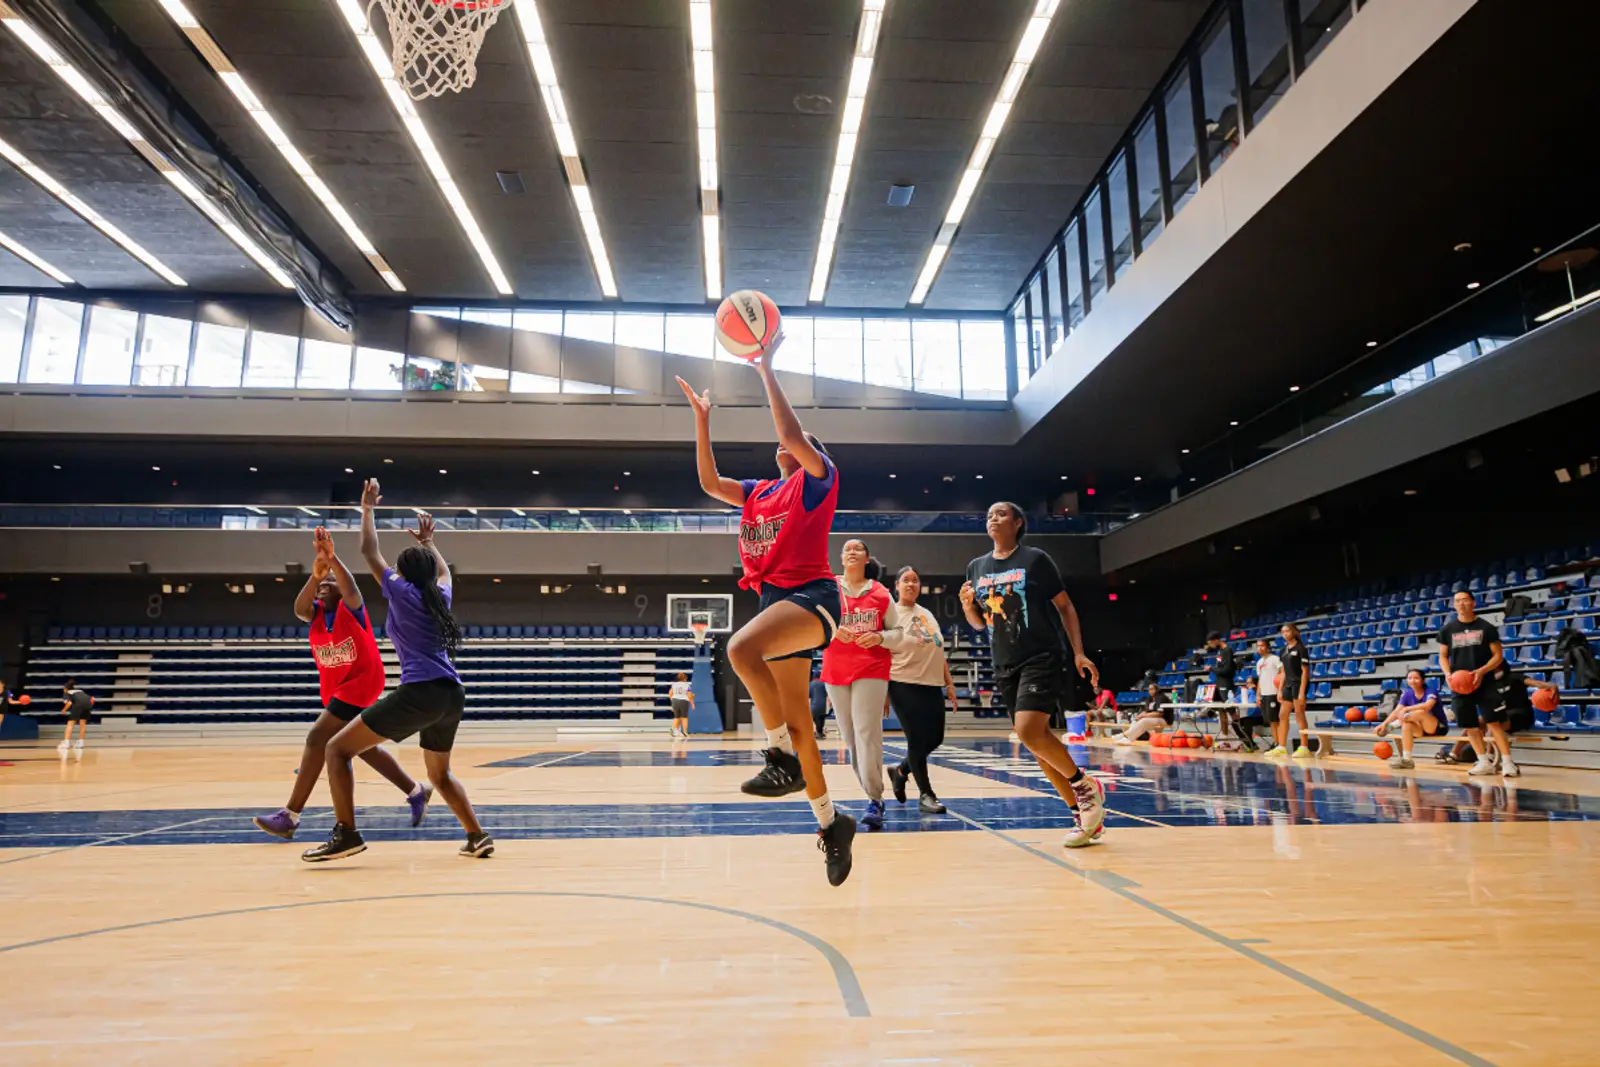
919, 683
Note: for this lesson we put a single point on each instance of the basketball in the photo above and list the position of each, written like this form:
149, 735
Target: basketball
1352, 714
1209, 740
1159, 740
1543, 699
1383, 750
1278, 682
1463, 682
747, 322
1194, 741
26, 699
1372, 715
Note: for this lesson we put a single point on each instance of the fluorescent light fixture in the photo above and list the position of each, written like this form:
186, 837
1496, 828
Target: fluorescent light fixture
1587, 298
35, 261
355, 14
308, 511
87, 213
255, 510
93, 97
207, 46
1044, 12
855, 106
705, 110
544, 72
518, 511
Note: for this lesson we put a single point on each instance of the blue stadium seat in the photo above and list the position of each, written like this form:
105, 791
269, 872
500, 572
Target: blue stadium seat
585, 631
611, 631
1322, 691
569, 631
541, 631
502, 631
229, 633
1369, 666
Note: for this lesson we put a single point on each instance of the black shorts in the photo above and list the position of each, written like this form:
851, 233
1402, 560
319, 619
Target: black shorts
343, 710
432, 708
1519, 720
680, 709
1032, 685
1269, 708
820, 597
1479, 704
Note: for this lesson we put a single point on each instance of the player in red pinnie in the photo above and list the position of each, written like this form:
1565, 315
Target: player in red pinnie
352, 675
783, 545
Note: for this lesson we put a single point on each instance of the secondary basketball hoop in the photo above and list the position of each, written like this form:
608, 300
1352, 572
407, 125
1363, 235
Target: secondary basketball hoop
434, 44
698, 625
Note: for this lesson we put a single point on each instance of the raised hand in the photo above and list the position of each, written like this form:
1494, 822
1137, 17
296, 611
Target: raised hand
701, 402
424, 531
763, 362
371, 497
324, 561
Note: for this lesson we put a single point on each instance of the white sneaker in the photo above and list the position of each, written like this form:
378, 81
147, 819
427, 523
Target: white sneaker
64, 745
1091, 812
1277, 750
1401, 763
78, 743
1484, 766
1509, 769
1121, 739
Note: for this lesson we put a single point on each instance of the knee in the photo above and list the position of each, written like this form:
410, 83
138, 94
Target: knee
742, 651
440, 779
335, 750
1032, 730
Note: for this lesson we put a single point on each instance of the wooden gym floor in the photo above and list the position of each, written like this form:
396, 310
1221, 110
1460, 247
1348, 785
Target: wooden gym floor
640, 911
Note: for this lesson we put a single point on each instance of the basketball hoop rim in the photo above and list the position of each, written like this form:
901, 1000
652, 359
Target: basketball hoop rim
473, 5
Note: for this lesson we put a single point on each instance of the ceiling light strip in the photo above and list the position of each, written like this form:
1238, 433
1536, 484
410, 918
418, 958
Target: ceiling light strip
87, 213
705, 109
219, 61
23, 252
544, 72
855, 105
355, 14
93, 97
1044, 12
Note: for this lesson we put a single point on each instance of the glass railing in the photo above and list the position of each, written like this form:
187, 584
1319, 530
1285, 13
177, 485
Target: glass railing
525, 520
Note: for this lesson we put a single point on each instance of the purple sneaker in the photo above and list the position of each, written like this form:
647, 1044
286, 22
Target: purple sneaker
419, 803
280, 823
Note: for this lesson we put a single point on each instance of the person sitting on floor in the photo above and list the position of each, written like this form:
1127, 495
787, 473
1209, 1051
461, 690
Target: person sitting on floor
1153, 714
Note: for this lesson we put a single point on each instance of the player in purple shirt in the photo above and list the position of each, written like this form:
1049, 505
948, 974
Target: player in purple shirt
429, 699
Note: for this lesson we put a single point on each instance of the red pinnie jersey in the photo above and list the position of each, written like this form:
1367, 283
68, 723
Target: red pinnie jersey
844, 661
347, 657
780, 542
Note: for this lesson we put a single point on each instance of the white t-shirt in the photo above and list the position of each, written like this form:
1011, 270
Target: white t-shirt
1268, 668
919, 651
680, 691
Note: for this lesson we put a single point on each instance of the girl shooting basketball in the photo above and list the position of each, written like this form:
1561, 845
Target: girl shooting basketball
430, 697
783, 545
1013, 591
352, 677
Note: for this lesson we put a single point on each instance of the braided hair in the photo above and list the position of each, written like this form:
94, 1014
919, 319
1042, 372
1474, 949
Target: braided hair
417, 566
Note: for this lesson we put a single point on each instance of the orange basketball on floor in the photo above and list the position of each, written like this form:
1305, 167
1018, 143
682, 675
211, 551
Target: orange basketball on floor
1208, 740
1194, 741
1159, 740
1352, 714
1383, 750
1372, 715
1463, 682
747, 322
1543, 699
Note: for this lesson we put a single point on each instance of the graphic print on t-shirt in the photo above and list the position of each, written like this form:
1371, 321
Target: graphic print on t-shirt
1003, 600
863, 621
341, 654
755, 538
917, 629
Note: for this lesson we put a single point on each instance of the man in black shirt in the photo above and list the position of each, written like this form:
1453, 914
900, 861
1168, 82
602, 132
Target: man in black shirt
75, 705
1222, 672
1015, 592
1467, 643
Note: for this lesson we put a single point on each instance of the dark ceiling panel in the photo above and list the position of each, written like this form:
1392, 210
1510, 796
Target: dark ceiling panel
58, 131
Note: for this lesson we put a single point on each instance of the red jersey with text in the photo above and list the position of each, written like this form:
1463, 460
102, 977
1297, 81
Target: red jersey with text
347, 657
844, 661
783, 534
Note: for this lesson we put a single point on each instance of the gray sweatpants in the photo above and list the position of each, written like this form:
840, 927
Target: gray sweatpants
859, 709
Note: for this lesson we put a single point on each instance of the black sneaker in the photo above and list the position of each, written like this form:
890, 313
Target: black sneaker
835, 844
780, 777
929, 805
478, 845
897, 781
343, 841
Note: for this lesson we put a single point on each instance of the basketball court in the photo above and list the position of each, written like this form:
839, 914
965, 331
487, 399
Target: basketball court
1236, 912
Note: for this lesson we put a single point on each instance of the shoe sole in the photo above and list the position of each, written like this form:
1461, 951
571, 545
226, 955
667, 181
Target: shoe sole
763, 791
268, 830
336, 855
482, 853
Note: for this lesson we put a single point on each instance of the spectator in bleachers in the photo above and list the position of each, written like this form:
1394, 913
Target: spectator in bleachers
1296, 660
1153, 715
75, 705
856, 666
1420, 713
1269, 684
919, 686
430, 698
1105, 706
682, 697
1468, 643
351, 673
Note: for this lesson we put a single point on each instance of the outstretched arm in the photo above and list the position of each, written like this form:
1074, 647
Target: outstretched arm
305, 602
791, 435
371, 497
424, 535
727, 490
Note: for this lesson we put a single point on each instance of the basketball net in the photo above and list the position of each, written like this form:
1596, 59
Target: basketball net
699, 628
434, 44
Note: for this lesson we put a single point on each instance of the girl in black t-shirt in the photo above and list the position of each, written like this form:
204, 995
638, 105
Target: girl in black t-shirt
1015, 592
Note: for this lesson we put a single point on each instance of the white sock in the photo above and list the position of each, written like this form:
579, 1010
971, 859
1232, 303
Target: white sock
779, 739
416, 790
823, 807
294, 816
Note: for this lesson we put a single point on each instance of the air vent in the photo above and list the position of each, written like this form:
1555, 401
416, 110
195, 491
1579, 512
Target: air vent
510, 182
900, 195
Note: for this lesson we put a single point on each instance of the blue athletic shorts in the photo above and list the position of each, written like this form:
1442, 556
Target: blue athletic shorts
820, 597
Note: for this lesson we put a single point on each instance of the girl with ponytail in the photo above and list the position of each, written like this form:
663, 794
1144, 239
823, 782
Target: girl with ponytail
430, 698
